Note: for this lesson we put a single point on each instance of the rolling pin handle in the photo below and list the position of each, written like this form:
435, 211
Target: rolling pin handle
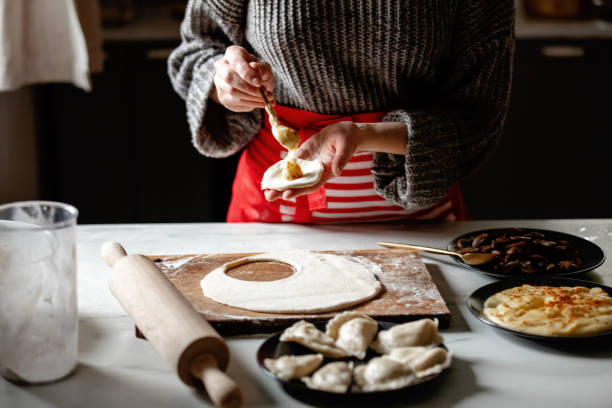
111, 252
221, 389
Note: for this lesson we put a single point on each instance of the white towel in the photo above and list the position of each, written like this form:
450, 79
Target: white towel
42, 41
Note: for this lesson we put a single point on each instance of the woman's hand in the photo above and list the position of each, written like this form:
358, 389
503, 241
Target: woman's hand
337, 143
333, 147
238, 76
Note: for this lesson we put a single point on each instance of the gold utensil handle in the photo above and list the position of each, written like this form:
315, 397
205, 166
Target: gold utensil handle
267, 102
418, 248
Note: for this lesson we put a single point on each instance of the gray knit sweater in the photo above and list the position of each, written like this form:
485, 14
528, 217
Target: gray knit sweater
442, 67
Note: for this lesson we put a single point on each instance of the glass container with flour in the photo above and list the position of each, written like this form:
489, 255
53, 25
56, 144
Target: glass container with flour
38, 305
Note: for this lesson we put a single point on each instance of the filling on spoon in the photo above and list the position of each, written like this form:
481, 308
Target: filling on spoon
290, 140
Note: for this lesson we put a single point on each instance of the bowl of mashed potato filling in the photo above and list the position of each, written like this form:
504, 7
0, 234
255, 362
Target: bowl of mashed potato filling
545, 308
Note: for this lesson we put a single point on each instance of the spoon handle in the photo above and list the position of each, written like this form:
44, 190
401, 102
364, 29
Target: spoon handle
418, 248
271, 110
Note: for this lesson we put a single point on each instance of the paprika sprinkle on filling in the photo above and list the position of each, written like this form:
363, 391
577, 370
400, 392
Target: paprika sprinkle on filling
551, 311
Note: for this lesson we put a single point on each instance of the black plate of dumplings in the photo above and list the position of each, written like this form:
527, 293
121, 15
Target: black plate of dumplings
477, 299
274, 348
590, 254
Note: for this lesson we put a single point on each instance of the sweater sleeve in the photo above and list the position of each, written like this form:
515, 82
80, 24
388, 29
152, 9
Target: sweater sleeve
205, 33
460, 130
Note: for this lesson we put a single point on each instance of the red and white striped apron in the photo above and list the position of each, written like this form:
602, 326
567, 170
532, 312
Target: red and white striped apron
349, 197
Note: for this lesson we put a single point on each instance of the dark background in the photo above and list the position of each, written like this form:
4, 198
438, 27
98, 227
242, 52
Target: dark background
122, 153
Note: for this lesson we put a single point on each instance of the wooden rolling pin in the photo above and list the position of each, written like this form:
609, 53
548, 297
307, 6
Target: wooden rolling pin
185, 340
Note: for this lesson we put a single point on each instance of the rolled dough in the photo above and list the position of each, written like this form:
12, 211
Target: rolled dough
273, 178
320, 283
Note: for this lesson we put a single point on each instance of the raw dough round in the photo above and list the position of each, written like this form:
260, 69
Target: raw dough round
321, 283
273, 177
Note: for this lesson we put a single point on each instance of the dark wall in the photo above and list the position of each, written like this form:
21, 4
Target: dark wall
555, 155
123, 153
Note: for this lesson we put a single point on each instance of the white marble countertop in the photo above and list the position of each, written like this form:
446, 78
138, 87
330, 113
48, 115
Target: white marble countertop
490, 369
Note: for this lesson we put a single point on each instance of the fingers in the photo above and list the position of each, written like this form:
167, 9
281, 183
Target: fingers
236, 100
289, 194
331, 150
309, 149
272, 195
341, 158
265, 73
333, 146
234, 93
238, 58
230, 79
250, 75
238, 78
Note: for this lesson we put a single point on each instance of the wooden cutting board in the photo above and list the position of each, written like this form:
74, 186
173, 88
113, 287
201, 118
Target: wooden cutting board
409, 292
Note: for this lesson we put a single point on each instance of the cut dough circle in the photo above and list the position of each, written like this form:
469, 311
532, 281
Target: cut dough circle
273, 178
321, 283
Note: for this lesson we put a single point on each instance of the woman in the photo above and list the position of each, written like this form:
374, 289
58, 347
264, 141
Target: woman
398, 99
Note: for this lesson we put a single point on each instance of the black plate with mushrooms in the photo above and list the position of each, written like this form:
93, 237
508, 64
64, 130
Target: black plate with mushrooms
529, 252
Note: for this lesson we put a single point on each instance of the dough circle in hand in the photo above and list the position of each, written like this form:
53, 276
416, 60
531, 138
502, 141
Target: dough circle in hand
321, 283
273, 178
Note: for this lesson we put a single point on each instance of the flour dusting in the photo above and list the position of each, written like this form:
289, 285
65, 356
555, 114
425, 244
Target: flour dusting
403, 276
173, 267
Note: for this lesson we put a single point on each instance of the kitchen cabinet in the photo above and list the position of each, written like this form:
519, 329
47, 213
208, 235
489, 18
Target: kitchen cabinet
123, 153
554, 156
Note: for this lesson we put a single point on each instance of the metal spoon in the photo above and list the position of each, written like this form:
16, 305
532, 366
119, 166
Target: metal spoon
287, 137
472, 258
269, 107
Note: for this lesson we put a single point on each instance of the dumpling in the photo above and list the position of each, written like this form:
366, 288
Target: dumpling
352, 332
422, 332
291, 367
424, 361
405, 355
309, 336
332, 377
432, 362
382, 373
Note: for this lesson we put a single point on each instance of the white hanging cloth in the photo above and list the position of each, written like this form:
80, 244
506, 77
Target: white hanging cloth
42, 41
